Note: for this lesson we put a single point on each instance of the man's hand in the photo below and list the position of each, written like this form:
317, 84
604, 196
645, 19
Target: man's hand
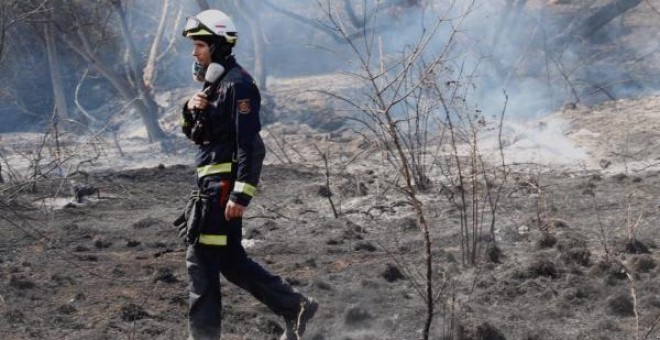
198, 101
233, 210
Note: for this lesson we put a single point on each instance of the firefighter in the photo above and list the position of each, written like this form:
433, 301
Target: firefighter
223, 120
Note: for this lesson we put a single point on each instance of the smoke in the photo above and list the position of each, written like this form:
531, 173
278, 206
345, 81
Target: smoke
488, 46
499, 49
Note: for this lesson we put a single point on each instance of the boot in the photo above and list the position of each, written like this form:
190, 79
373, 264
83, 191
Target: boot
296, 327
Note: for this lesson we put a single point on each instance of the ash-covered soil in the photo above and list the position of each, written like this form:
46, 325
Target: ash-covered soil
113, 268
564, 266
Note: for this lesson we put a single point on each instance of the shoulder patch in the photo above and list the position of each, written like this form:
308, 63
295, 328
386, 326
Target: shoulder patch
244, 106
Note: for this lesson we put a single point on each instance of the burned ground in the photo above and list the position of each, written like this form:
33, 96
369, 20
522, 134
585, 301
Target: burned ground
113, 267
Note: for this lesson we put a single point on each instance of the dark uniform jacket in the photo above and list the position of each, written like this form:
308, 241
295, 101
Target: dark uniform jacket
234, 150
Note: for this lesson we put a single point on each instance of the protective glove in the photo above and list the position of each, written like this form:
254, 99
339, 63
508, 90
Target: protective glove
190, 222
181, 224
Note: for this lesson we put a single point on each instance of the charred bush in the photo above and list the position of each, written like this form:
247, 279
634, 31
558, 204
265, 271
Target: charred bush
570, 241
620, 177
80, 248
353, 231
536, 334
636, 247
14, 316
102, 244
611, 270
132, 312
494, 253
165, 275
579, 256
366, 246
392, 273
357, 316
88, 258
577, 293
547, 240
542, 267
334, 241
350, 188
253, 234
269, 225
621, 305
66, 310
133, 243
486, 331
322, 285
296, 282
179, 300
147, 223
21, 283
324, 191
643, 263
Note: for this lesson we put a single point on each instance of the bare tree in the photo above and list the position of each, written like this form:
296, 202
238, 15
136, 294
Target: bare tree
250, 15
61, 107
395, 106
14, 14
358, 23
594, 22
150, 68
130, 85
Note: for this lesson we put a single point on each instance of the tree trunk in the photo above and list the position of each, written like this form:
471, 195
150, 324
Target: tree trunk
150, 69
55, 76
259, 44
2, 30
203, 5
120, 84
150, 112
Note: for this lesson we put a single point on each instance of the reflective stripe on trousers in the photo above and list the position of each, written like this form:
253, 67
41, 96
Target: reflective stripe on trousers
213, 240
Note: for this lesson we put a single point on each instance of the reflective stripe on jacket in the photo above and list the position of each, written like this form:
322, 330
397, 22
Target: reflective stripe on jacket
236, 151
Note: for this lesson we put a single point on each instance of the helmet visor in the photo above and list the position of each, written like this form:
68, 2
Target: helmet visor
195, 27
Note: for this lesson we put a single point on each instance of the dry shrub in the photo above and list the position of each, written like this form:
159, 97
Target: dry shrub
570, 241
577, 294
14, 316
621, 304
21, 282
536, 334
149, 222
484, 331
635, 246
357, 317
132, 312
579, 256
547, 240
643, 263
392, 273
542, 267
493, 253
612, 271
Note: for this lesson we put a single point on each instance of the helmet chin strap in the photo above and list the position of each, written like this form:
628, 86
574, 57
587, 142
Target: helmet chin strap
219, 51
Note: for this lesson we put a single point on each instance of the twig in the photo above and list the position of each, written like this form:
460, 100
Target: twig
327, 181
279, 146
652, 328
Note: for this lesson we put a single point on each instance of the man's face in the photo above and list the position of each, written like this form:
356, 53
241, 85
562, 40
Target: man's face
201, 52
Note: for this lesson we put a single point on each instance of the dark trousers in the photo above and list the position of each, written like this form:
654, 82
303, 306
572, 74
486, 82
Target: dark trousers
205, 263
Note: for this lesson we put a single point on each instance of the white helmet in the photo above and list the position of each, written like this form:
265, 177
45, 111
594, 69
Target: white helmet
211, 23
